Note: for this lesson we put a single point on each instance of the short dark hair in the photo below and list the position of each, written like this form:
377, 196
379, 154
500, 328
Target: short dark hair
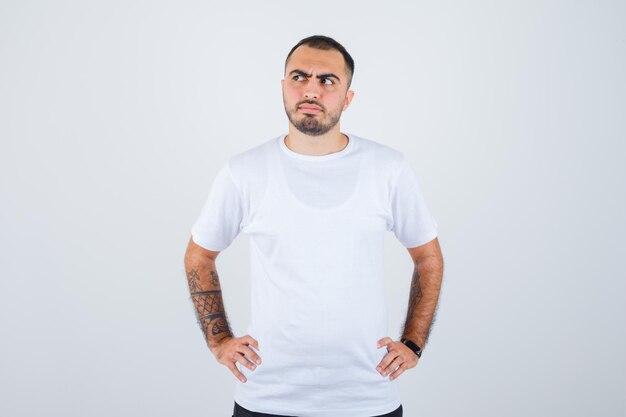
325, 43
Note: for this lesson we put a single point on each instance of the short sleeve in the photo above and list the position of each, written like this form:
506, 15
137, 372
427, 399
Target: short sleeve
221, 216
412, 222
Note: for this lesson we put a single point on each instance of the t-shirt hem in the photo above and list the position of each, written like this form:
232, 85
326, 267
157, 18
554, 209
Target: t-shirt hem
425, 239
207, 244
361, 412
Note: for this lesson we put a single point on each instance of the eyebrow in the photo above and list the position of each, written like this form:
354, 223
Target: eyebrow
320, 76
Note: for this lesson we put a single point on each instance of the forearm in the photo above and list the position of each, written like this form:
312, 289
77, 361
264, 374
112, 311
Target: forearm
206, 295
423, 298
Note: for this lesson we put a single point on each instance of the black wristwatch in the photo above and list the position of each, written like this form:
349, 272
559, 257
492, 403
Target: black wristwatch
412, 346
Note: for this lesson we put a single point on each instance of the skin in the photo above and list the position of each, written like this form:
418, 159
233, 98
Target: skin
423, 299
321, 79
316, 77
206, 295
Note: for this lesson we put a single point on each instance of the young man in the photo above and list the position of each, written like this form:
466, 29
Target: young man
316, 204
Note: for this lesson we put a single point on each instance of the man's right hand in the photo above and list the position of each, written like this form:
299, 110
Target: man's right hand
232, 350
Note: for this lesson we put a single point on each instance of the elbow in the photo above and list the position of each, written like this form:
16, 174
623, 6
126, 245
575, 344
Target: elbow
196, 254
432, 264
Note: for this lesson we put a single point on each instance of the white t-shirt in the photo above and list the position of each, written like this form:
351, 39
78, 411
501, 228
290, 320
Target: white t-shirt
316, 226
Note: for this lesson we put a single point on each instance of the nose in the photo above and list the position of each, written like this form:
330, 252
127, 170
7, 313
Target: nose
312, 90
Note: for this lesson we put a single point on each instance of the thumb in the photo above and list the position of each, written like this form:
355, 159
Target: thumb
384, 341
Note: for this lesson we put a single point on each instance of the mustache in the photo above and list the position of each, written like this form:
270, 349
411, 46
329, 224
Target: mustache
315, 103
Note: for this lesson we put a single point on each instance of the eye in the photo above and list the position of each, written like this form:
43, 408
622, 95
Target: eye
295, 77
330, 82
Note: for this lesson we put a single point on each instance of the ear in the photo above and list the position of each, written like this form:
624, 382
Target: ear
348, 100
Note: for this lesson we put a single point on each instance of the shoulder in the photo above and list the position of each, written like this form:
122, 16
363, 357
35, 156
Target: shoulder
385, 158
249, 170
251, 162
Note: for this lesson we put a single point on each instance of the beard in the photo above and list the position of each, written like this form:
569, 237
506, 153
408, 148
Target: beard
313, 124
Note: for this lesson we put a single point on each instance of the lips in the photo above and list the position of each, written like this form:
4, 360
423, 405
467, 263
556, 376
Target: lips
310, 108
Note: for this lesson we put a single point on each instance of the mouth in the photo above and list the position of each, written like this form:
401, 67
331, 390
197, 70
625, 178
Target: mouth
309, 108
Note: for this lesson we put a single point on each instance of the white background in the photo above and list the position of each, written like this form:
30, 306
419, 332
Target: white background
116, 115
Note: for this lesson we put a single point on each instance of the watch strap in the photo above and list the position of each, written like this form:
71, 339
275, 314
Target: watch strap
413, 346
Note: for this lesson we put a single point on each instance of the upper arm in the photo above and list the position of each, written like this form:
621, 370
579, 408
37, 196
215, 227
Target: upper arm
221, 217
195, 251
428, 252
411, 220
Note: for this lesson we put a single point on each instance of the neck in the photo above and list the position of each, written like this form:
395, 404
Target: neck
330, 142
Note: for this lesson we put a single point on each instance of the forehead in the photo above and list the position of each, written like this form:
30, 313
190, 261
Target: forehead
313, 60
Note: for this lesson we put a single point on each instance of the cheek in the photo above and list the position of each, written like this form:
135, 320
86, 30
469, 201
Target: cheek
336, 99
291, 95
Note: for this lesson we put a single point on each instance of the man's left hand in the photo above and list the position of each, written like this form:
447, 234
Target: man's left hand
398, 359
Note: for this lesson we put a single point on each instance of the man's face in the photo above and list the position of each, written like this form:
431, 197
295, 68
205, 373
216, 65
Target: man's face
315, 89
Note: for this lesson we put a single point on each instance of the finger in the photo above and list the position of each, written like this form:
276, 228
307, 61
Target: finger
384, 341
236, 372
397, 372
389, 357
238, 357
251, 354
252, 341
397, 361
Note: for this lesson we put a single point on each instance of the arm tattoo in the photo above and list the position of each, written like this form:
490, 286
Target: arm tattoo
209, 306
215, 280
194, 280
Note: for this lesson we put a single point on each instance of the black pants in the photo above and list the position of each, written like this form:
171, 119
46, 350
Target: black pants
239, 411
